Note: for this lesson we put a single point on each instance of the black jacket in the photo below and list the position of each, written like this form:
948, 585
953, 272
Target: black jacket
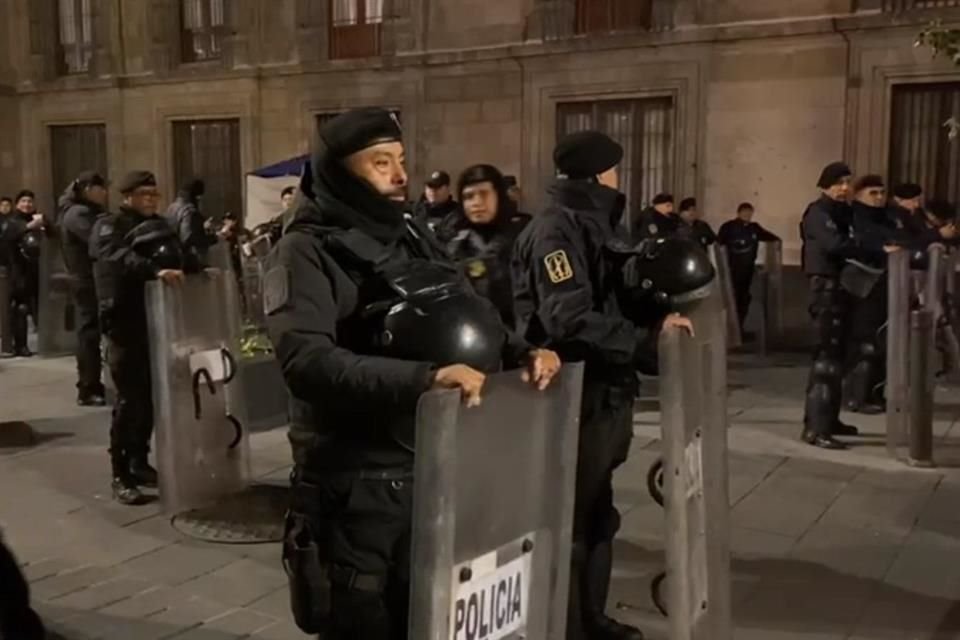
347, 399
699, 231
652, 224
77, 217
186, 220
742, 240
437, 216
120, 273
485, 253
566, 287
826, 233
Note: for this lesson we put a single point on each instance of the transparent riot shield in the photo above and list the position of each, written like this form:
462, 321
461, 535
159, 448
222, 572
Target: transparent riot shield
6, 335
202, 447
718, 256
493, 511
693, 400
899, 296
56, 334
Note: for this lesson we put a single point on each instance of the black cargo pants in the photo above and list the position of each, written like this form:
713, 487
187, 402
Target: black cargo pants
606, 430
360, 524
131, 426
88, 341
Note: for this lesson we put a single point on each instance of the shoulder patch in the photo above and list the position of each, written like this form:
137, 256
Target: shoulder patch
106, 229
558, 266
476, 269
831, 224
653, 229
276, 289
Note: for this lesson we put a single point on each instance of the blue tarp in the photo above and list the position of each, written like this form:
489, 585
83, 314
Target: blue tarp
291, 167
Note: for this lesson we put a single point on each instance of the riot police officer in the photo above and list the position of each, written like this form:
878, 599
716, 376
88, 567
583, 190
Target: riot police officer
568, 282
656, 221
825, 230
437, 203
692, 225
742, 237
366, 313
484, 234
863, 276
80, 205
130, 248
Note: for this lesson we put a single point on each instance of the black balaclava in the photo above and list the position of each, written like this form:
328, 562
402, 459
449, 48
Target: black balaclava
346, 200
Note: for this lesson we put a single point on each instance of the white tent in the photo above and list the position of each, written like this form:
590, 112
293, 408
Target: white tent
264, 187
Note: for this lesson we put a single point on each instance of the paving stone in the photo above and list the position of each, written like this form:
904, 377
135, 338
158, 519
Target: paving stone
90, 625
772, 513
895, 614
870, 507
64, 583
281, 631
46, 568
821, 468
276, 604
178, 563
236, 624
746, 543
144, 604
104, 594
922, 566
854, 552
188, 613
239, 583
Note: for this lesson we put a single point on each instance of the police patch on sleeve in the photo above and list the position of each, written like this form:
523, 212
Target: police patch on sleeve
276, 290
558, 267
476, 269
653, 229
106, 229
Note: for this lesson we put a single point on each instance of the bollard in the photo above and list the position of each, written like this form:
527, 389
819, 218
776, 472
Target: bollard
6, 335
921, 388
898, 319
934, 288
763, 330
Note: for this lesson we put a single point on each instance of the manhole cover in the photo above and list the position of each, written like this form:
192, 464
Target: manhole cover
252, 517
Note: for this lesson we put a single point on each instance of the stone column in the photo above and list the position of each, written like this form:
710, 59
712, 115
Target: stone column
239, 40
311, 29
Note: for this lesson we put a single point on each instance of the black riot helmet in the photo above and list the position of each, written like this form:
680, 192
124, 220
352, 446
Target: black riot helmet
435, 317
30, 243
155, 240
665, 275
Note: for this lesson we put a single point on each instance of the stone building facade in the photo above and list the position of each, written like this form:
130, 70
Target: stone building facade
726, 100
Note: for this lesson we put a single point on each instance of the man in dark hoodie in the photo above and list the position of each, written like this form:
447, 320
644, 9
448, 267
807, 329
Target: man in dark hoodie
349, 255
185, 218
567, 297
875, 235
825, 230
80, 206
485, 232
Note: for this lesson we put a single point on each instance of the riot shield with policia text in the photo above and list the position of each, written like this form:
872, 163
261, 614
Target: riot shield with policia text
493, 510
202, 448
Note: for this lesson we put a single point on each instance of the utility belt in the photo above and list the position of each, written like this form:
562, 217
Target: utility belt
311, 576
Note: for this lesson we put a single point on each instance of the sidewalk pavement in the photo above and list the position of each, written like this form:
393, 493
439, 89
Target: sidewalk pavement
827, 545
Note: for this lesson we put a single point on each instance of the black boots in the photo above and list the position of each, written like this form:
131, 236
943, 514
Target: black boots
142, 472
128, 477
596, 588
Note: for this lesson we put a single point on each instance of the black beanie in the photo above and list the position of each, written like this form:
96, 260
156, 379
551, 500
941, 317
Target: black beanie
25, 193
586, 154
359, 129
908, 191
869, 181
832, 174
662, 198
136, 179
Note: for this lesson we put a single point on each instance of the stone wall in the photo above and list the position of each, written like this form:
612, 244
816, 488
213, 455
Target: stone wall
761, 107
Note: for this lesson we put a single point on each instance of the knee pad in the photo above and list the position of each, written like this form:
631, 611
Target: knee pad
826, 370
868, 350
